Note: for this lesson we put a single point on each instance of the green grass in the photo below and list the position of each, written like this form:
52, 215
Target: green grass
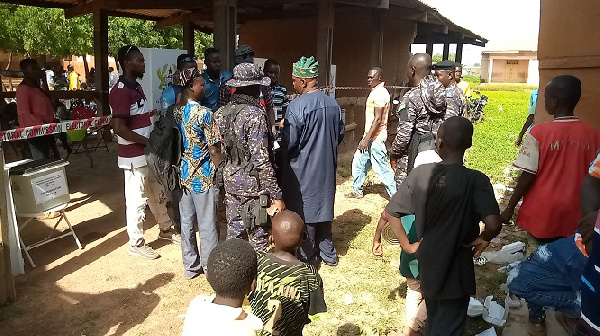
493, 142
472, 79
503, 87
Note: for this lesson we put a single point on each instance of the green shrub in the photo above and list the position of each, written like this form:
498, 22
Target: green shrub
472, 79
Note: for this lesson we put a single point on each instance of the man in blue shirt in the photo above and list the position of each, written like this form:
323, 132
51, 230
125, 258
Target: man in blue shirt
172, 92
214, 77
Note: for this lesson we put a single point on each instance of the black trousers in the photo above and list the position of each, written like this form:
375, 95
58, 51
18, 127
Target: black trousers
446, 317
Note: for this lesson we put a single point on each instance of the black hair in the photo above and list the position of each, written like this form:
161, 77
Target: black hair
269, 63
378, 70
457, 65
566, 89
210, 51
27, 63
125, 52
232, 268
457, 133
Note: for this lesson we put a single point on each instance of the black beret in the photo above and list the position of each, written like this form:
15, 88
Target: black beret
444, 65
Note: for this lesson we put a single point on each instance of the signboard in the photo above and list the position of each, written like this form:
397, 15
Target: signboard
49, 187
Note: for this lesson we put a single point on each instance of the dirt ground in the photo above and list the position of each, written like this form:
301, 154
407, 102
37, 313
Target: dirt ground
101, 290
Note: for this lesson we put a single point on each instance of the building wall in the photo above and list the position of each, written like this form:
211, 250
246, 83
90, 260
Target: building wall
566, 45
287, 40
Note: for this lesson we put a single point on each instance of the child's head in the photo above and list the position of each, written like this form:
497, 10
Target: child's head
287, 231
232, 269
562, 94
454, 136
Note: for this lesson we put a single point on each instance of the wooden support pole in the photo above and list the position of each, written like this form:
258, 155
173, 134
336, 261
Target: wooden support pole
377, 39
101, 59
7, 281
459, 53
446, 53
225, 17
188, 35
429, 48
325, 40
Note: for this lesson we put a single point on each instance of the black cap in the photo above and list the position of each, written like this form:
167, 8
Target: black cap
185, 58
445, 65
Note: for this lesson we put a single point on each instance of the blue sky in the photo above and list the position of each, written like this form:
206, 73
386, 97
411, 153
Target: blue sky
507, 24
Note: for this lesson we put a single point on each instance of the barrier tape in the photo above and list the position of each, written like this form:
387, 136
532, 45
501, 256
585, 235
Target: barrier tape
360, 88
53, 128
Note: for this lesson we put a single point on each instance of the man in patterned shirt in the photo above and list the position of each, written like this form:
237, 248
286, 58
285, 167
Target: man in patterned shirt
248, 175
201, 153
422, 110
280, 98
287, 290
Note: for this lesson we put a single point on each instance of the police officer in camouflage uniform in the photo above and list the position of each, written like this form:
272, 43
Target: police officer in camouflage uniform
433, 99
251, 188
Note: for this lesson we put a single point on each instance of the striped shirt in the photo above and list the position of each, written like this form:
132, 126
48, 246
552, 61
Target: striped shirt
286, 294
280, 102
128, 101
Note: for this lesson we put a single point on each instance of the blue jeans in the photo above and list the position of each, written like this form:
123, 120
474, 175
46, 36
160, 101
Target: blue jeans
374, 156
551, 277
202, 209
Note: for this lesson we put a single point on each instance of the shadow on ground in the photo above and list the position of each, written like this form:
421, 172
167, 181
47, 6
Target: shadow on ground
346, 227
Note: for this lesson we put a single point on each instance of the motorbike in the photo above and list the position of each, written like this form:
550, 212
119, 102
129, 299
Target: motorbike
476, 106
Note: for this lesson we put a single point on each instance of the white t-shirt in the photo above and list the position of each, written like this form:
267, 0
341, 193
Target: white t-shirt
204, 317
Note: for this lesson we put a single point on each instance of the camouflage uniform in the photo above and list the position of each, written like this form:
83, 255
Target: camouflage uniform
241, 186
422, 110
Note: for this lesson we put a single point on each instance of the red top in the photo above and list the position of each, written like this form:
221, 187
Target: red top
33, 106
559, 153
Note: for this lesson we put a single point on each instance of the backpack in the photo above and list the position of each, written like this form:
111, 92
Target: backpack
164, 151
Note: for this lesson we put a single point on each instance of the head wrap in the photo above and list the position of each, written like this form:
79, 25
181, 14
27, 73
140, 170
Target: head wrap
306, 67
184, 77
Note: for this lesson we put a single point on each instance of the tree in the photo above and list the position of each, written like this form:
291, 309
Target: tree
45, 31
438, 57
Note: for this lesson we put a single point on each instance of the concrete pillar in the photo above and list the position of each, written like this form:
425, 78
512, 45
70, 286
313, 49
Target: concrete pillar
459, 52
188, 35
224, 31
429, 48
101, 59
377, 39
325, 40
446, 53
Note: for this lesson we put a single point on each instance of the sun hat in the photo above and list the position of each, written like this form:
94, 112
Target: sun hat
246, 74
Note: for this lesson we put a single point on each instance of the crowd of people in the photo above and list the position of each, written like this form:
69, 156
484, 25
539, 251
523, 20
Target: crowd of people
274, 157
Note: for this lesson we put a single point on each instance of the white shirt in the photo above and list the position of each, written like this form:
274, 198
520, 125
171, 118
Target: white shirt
204, 317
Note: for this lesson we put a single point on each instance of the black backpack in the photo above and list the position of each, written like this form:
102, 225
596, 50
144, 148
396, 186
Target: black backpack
164, 151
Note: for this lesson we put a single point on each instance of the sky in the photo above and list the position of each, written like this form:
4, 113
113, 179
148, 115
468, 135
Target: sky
507, 24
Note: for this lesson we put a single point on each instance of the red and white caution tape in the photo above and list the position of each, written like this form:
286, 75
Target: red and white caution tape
53, 128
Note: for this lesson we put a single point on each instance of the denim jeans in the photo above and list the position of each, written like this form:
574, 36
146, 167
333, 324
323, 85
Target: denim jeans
374, 156
551, 277
202, 209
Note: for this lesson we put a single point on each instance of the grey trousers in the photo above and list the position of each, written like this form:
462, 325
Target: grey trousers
198, 208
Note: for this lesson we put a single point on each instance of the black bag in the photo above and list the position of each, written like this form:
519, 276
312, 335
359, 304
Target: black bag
164, 151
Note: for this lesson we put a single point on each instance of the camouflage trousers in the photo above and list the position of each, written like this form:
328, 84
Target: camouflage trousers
400, 174
258, 236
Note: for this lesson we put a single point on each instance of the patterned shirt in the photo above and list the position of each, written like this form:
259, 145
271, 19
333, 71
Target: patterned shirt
252, 131
590, 289
197, 129
280, 102
128, 101
286, 294
424, 108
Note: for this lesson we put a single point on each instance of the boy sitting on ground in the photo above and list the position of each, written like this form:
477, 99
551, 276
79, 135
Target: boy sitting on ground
448, 201
232, 275
287, 290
